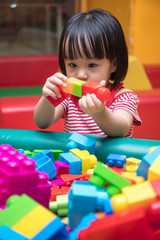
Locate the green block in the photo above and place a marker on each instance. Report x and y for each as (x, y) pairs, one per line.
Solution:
(17, 210)
(98, 181)
(110, 176)
(112, 190)
(60, 206)
(77, 88)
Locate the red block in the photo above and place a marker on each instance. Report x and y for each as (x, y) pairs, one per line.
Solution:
(130, 225)
(94, 87)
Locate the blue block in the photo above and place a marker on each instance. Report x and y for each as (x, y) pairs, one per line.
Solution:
(147, 162)
(54, 230)
(7, 233)
(84, 223)
(49, 154)
(75, 163)
(45, 164)
(81, 142)
(84, 198)
(116, 160)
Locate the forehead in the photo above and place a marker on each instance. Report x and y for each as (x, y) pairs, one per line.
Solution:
(78, 47)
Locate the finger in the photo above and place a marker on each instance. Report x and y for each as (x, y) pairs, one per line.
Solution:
(103, 82)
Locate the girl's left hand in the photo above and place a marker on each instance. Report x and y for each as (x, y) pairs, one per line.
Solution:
(91, 105)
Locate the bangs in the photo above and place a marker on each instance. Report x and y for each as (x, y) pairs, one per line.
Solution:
(79, 44)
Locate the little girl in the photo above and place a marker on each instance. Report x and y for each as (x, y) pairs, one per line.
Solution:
(92, 47)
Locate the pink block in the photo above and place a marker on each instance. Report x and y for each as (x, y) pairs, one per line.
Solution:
(61, 168)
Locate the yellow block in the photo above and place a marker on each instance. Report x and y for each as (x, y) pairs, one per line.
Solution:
(139, 194)
(34, 221)
(154, 170)
(133, 196)
(136, 78)
(132, 176)
(131, 168)
(132, 161)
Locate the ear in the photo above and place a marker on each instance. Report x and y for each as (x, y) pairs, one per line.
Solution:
(114, 65)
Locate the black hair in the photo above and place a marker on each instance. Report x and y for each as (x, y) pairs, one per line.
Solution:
(96, 34)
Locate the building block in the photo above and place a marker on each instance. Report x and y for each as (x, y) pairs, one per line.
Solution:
(117, 160)
(84, 223)
(16, 211)
(44, 163)
(32, 220)
(60, 206)
(81, 142)
(77, 88)
(75, 164)
(88, 160)
(134, 196)
(83, 199)
(69, 85)
(132, 224)
(156, 186)
(98, 89)
(8, 233)
(147, 161)
(132, 176)
(103, 174)
(154, 170)
(61, 168)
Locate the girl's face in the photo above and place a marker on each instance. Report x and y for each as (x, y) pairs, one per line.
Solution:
(90, 69)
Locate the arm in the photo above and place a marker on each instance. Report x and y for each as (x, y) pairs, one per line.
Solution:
(114, 124)
(45, 113)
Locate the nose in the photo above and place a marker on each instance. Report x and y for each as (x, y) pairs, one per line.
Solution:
(82, 75)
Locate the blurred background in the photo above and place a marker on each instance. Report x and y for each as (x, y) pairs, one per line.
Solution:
(29, 39)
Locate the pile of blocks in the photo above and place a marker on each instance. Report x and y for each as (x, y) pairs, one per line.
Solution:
(87, 199)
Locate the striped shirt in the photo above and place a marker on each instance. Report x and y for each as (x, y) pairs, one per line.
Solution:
(78, 121)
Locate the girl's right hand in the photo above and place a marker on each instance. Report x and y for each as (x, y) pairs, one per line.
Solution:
(50, 88)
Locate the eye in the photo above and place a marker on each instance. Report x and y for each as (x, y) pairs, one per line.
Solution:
(72, 65)
(92, 65)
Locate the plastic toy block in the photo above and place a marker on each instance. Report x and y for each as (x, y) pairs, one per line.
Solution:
(75, 164)
(98, 89)
(65, 190)
(103, 174)
(116, 160)
(69, 85)
(41, 192)
(134, 196)
(7, 233)
(60, 206)
(117, 169)
(88, 160)
(21, 206)
(55, 190)
(77, 88)
(154, 170)
(70, 178)
(81, 142)
(45, 164)
(131, 168)
(84, 199)
(147, 161)
(84, 223)
(54, 230)
(131, 225)
(153, 214)
(112, 190)
(12, 175)
(34, 221)
(133, 161)
(132, 176)
(156, 186)
(58, 181)
(61, 168)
